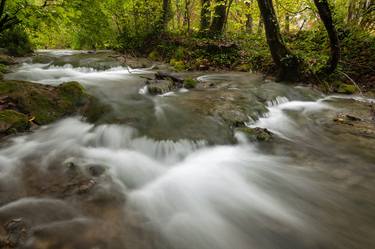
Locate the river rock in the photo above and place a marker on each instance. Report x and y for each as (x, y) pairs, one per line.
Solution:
(12, 121)
(156, 87)
(256, 134)
(16, 232)
(7, 60)
(25, 102)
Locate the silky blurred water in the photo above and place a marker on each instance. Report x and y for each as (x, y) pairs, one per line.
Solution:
(173, 179)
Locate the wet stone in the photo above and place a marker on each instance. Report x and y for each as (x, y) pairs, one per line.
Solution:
(96, 170)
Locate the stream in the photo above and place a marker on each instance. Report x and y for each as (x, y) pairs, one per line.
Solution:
(169, 171)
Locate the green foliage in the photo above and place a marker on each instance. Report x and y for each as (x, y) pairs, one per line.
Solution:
(177, 65)
(136, 27)
(190, 83)
(3, 68)
(347, 89)
(16, 42)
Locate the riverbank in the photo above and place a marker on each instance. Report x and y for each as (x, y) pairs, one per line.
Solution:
(250, 53)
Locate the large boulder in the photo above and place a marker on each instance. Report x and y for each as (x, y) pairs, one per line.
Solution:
(22, 101)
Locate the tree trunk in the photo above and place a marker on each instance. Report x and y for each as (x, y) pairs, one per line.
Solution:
(287, 23)
(2, 7)
(287, 64)
(326, 17)
(187, 15)
(165, 15)
(351, 7)
(249, 19)
(218, 21)
(205, 15)
(260, 26)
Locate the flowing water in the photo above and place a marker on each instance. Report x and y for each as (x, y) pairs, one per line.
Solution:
(168, 172)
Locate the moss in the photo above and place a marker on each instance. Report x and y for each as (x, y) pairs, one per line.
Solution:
(3, 68)
(47, 103)
(12, 122)
(154, 55)
(71, 92)
(256, 134)
(190, 83)
(246, 67)
(179, 54)
(347, 89)
(177, 65)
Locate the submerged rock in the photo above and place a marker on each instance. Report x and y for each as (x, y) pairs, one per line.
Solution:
(26, 102)
(15, 234)
(256, 134)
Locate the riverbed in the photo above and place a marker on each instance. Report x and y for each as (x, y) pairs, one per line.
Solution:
(172, 170)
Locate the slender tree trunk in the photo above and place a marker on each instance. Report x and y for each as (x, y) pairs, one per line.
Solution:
(326, 17)
(2, 7)
(260, 26)
(351, 7)
(286, 62)
(2, 16)
(249, 19)
(218, 20)
(227, 14)
(205, 15)
(249, 23)
(165, 15)
(287, 23)
(187, 15)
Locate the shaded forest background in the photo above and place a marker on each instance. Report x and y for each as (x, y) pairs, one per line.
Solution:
(207, 34)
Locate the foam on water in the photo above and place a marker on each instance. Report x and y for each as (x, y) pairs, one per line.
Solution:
(197, 196)
(54, 75)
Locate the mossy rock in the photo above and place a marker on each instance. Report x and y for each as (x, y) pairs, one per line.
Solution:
(46, 104)
(12, 122)
(190, 83)
(154, 55)
(160, 87)
(347, 89)
(7, 60)
(256, 134)
(43, 59)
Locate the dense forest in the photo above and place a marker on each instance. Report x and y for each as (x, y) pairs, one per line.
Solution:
(326, 42)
